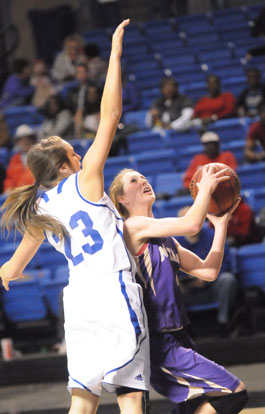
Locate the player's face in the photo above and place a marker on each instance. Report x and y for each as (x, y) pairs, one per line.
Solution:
(137, 189)
(73, 157)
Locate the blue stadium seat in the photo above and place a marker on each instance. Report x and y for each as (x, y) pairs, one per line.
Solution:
(232, 129)
(67, 87)
(181, 140)
(183, 59)
(213, 55)
(113, 165)
(81, 145)
(168, 183)
(196, 90)
(19, 115)
(52, 290)
(137, 118)
(185, 155)
(152, 163)
(144, 141)
(252, 175)
(237, 148)
(4, 156)
(259, 198)
(251, 265)
(24, 301)
(170, 208)
(148, 97)
(198, 39)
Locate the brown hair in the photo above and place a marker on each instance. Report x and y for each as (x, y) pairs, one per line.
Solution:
(20, 208)
(116, 190)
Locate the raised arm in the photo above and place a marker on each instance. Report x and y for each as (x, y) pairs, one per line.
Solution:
(139, 228)
(209, 268)
(91, 176)
(28, 247)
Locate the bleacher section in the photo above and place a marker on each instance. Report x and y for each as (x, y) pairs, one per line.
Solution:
(189, 48)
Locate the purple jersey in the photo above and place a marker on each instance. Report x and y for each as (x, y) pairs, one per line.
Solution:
(157, 272)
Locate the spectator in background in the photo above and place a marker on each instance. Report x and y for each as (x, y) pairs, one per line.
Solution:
(217, 105)
(242, 228)
(211, 145)
(251, 96)
(41, 81)
(18, 173)
(4, 132)
(256, 135)
(91, 115)
(223, 290)
(130, 95)
(96, 65)
(257, 27)
(76, 96)
(63, 69)
(17, 89)
(58, 120)
(172, 109)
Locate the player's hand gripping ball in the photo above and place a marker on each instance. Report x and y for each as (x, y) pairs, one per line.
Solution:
(225, 194)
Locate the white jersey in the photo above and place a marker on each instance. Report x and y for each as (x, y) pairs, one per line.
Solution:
(105, 322)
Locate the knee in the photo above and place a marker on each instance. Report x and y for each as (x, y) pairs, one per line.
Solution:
(231, 403)
(130, 403)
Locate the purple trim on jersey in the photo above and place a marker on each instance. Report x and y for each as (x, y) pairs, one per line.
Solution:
(128, 362)
(80, 383)
(133, 316)
(94, 204)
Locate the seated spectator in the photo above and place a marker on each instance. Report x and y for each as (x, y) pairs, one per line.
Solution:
(4, 132)
(211, 145)
(58, 120)
(130, 95)
(17, 89)
(242, 228)
(257, 28)
(97, 66)
(172, 109)
(217, 105)
(76, 96)
(250, 97)
(91, 113)
(41, 81)
(256, 136)
(223, 290)
(18, 173)
(63, 69)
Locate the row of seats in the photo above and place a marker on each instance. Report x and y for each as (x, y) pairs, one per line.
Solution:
(38, 295)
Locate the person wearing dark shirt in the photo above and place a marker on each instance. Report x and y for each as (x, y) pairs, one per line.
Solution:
(251, 96)
(256, 135)
(172, 109)
(17, 89)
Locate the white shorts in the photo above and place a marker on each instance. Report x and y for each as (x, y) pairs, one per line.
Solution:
(106, 334)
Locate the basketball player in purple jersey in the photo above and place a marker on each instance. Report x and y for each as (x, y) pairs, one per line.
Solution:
(178, 372)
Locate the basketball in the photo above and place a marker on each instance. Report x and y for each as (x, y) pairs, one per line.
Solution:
(225, 194)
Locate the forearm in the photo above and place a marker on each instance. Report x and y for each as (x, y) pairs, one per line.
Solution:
(214, 259)
(111, 103)
(197, 213)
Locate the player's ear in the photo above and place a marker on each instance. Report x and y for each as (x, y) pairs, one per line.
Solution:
(122, 199)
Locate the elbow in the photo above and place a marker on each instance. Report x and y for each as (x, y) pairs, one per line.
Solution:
(212, 275)
(194, 228)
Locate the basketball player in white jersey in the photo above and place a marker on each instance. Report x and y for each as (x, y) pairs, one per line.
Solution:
(105, 325)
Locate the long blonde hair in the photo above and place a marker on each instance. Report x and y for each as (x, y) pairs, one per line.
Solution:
(116, 190)
(20, 209)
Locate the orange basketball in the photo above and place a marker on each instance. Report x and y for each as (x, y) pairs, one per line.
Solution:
(226, 193)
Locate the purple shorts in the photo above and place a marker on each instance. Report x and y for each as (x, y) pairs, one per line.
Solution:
(179, 373)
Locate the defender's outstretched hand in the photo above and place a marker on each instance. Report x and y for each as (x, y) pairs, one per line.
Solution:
(117, 37)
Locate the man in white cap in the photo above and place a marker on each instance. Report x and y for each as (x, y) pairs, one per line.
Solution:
(211, 153)
(18, 173)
